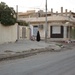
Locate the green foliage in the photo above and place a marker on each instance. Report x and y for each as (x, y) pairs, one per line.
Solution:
(7, 15)
(22, 23)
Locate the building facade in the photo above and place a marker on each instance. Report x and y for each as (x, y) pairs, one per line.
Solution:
(61, 26)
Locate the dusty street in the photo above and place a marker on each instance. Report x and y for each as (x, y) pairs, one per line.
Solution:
(49, 63)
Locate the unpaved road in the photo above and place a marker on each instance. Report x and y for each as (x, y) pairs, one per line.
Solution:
(49, 63)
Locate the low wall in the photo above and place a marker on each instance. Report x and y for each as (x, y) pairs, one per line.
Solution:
(8, 33)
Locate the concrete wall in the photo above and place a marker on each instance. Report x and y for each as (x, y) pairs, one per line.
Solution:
(8, 33)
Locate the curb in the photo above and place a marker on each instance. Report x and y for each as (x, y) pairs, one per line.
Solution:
(27, 53)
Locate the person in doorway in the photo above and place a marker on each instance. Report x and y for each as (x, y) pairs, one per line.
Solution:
(38, 36)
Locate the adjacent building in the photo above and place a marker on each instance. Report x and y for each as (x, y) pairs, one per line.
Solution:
(61, 26)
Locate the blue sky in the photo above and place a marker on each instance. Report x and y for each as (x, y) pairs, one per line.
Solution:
(25, 5)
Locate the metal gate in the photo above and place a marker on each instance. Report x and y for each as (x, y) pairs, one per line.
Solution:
(23, 32)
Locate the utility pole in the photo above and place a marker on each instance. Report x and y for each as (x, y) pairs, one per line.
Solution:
(46, 23)
(29, 28)
(16, 12)
(17, 20)
(69, 28)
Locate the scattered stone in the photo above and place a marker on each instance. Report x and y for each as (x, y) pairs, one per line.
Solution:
(27, 53)
(18, 52)
(8, 51)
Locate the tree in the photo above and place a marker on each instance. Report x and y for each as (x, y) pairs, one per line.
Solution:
(38, 36)
(22, 23)
(7, 15)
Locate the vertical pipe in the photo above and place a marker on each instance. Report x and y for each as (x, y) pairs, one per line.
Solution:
(17, 20)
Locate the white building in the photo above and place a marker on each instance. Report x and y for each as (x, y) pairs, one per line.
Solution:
(61, 26)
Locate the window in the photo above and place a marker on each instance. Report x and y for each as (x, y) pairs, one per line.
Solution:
(40, 26)
(56, 29)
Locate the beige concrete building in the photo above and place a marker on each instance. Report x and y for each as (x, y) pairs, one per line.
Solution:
(61, 26)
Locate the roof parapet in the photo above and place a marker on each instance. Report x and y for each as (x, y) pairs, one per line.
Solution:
(51, 11)
(61, 11)
(66, 12)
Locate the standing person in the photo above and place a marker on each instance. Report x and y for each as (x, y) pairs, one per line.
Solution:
(38, 36)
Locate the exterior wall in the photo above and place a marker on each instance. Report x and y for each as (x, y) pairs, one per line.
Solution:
(49, 33)
(73, 32)
(8, 33)
(20, 32)
(31, 30)
(42, 31)
(65, 32)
